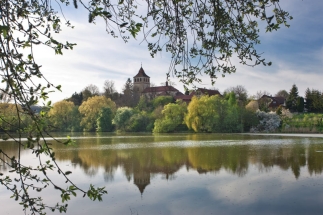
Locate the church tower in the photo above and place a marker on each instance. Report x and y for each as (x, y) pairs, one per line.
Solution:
(141, 80)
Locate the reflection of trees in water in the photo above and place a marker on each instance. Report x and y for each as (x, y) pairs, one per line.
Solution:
(315, 158)
(212, 159)
(11, 150)
(93, 154)
(92, 171)
(169, 177)
(108, 176)
(284, 156)
(3, 163)
(262, 168)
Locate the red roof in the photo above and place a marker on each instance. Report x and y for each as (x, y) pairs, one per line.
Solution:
(160, 89)
(186, 98)
(141, 73)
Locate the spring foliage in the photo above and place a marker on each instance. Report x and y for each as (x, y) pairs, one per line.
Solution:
(211, 31)
(90, 109)
(173, 116)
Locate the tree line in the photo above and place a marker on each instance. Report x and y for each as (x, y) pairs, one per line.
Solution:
(235, 111)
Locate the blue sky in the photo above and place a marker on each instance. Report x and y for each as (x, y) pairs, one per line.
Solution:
(296, 53)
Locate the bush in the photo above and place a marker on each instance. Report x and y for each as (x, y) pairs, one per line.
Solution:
(268, 122)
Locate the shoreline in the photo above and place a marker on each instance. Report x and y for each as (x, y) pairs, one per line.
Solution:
(288, 134)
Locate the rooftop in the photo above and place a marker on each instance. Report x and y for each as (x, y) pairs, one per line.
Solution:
(141, 73)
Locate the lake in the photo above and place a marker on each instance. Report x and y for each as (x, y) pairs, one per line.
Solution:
(188, 173)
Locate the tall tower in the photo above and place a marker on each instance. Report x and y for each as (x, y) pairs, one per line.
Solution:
(141, 80)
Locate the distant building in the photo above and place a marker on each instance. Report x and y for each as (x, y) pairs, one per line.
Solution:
(152, 92)
(198, 92)
(141, 83)
(272, 102)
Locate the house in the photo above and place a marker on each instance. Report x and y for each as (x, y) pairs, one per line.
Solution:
(152, 92)
(197, 92)
(272, 102)
(141, 84)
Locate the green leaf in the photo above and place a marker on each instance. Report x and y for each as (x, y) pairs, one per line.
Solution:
(4, 30)
(59, 87)
(68, 172)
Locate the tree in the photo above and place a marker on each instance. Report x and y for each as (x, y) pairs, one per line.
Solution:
(300, 104)
(104, 120)
(291, 102)
(139, 122)
(232, 99)
(127, 98)
(314, 100)
(232, 115)
(249, 119)
(224, 26)
(76, 98)
(268, 122)
(90, 110)
(122, 117)
(144, 104)
(109, 89)
(309, 100)
(61, 117)
(8, 118)
(162, 101)
(205, 114)
(240, 92)
(282, 93)
(90, 91)
(173, 116)
(76, 122)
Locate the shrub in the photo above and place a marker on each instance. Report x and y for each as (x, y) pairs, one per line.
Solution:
(268, 122)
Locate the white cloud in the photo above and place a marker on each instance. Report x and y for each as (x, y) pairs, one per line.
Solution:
(98, 57)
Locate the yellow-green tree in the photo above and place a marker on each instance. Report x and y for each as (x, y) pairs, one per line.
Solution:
(91, 108)
(213, 114)
(61, 115)
(9, 117)
(173, 116)
(203, 113)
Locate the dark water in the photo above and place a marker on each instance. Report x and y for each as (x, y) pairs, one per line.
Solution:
(189, 174)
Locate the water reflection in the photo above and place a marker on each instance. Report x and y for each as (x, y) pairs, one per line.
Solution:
(141, 157)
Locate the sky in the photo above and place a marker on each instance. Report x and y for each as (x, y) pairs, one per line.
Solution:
(296, 53)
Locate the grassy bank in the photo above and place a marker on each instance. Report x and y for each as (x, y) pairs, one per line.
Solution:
(303, 123)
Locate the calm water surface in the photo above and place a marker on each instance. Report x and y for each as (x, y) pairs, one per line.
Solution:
(189, 174)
